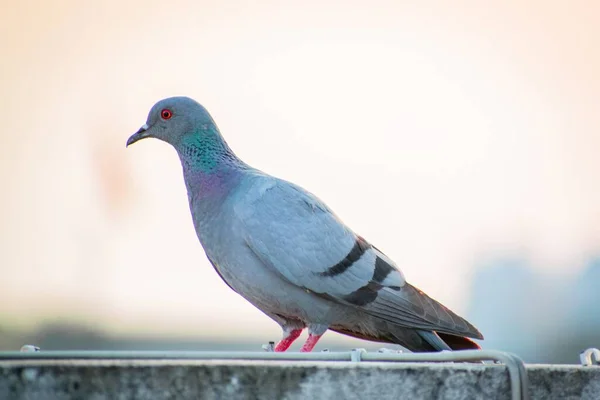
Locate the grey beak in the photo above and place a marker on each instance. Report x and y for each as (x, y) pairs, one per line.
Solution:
(139, 135)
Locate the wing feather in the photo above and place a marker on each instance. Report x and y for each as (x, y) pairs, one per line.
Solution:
(298, 236)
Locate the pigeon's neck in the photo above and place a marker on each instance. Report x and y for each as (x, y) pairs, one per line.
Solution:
(210, 168)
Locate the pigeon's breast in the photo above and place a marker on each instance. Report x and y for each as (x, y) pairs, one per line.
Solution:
(222, 233)
(263, 287)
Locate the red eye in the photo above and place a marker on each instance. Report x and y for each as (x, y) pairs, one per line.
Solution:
(166, 114)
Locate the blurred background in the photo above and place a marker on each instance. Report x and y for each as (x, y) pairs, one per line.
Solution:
(459, 137)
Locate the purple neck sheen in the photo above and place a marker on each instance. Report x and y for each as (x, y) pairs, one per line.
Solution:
(203, 184)
(210, 168)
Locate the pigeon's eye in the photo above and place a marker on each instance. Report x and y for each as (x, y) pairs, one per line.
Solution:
(166, 114)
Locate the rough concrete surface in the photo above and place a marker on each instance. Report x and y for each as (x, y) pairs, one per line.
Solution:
(169, 379)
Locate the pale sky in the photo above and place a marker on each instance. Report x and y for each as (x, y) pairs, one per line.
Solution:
(445, 133)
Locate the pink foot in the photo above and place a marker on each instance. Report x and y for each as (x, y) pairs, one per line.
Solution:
(287, 341)
(310, 343)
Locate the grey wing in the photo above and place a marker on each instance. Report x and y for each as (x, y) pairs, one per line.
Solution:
(295, 234)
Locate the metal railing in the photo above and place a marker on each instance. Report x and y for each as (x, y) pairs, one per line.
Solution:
(519, 383)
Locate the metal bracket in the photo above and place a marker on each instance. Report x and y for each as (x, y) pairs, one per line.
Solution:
(269, 347)
(356, 354)
(587, 357)
(29, 348)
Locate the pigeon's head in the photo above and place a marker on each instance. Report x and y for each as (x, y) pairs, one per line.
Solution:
(172, 119)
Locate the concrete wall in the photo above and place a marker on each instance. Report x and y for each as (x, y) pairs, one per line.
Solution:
(181, 379)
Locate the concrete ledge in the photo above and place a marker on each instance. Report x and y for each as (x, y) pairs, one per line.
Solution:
(189, 379)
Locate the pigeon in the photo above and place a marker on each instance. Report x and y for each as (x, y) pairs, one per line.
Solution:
(287, 253)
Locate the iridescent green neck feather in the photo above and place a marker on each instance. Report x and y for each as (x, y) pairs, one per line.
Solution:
(210, 167)
(204, 151)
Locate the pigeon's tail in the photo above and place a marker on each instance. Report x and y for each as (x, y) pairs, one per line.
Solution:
(443, 341)
(414, 340)
(432, 339)
(459, 342)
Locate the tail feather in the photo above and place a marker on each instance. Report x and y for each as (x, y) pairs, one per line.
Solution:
(434, 340)
(459, 342)
(413, 340)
